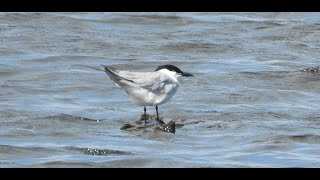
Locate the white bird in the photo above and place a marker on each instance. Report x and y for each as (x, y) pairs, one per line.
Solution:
(148, 88)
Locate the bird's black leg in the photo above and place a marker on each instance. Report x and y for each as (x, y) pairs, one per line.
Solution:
(157, 113)
(145, 115)
(158, 119)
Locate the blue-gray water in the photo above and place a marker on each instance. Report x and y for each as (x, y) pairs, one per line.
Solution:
(248, 105)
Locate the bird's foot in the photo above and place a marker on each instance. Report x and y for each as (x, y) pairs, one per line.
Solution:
(159, 121)
(144, 119)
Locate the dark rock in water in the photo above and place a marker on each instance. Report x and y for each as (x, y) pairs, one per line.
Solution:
(147, 121)
(151, 121)
(170, 127)
(312, 69)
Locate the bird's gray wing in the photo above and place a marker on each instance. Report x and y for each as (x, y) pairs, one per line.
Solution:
(151, 81)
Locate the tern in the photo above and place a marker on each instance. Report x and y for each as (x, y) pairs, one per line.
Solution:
(147, 88)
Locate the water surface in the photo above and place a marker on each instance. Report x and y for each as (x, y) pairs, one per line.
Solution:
(248, 105)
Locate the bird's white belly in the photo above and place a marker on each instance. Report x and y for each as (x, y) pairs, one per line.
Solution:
(143, 97)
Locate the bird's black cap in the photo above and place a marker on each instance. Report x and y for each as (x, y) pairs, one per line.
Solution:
(173, 68)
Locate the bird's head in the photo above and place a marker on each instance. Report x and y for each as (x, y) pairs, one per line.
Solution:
(173, 69)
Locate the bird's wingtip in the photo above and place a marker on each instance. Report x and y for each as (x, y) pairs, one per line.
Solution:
(113, 73)
(92, 67)
(106, 66)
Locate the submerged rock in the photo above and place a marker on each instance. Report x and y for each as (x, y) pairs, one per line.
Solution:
(312, 69)
(127, 126)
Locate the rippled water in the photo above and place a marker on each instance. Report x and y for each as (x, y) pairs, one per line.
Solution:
(248, 105)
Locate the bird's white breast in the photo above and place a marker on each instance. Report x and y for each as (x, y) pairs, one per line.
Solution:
(170, 87)
(165, 87)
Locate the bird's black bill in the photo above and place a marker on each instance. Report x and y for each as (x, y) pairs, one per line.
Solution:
(186, 74)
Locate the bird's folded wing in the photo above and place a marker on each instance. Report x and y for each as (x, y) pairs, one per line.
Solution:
(151, 81)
